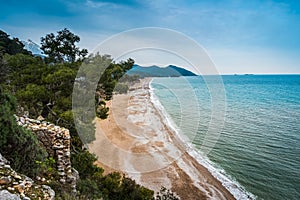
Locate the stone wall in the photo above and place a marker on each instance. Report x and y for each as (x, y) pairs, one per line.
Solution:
(56, 140)
(15, 186)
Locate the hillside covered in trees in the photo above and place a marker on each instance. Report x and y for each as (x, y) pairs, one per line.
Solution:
(42, 87)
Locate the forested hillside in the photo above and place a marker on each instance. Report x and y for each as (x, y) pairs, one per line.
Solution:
(42, 87)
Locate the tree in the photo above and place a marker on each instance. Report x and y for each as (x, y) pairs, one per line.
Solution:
(23, 69)
(46, 89)
(62, 47)
(3, 69)
(112, 74)
(18, 145)
(11, 46)
(33, 94)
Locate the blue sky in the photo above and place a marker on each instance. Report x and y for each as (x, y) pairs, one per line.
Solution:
(240, 36)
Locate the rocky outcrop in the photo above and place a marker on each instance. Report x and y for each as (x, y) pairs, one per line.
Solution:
(14, 186)
(56, 141)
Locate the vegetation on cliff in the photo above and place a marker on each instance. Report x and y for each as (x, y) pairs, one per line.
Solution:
(37, 86)
(18, 145)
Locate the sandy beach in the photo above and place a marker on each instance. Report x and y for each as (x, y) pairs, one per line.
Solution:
(135, 140)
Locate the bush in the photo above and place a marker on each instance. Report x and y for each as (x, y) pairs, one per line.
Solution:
(102, 112)
(165, 194)
(83, 162)
(18, 145)
(89, 189)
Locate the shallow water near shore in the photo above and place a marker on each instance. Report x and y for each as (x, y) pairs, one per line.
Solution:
(259, 146)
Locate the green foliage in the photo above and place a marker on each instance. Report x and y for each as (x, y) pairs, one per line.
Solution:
(3, 69)
(18, 145)
(113, 186)
(83, 161)
(21, 69)
(45, 88)
(21, 61)
(118, 187)
(89, 189)
(112, 74)
(102, 112)
(67, 115)
(94, 185)
(47, 167)
(33, 95)
(84, 102)
(11, 46)
(62, 192)
(62, 47)
(60, 80)
(165, 194)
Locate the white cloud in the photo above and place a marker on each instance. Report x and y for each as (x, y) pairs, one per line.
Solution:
(92, 4)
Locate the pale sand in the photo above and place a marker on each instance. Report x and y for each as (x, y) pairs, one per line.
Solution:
(135, 141)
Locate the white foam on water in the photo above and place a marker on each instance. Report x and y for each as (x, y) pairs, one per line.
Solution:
(237, 190)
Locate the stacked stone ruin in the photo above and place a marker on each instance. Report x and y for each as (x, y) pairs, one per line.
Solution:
(56, 141)
(15, 186)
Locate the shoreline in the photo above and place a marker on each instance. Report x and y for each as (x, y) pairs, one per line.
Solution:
(238, 191)
(135, 140)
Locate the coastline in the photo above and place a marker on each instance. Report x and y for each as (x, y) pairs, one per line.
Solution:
(135, 140)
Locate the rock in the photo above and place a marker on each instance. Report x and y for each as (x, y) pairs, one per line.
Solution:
(3, 160)
(56, 141)
(16, 186)
(16, 176)
(62, 180)
(20, 188)
(34, 127)
(57, 146)
(62, 173)
(5, 180)
(40, 118)
(26, 113)
(67, 154)
(5, 195)
(11, 188)
(6, 166)
(22, 196)
(19, 123)
(49, 191)
(28, 184)
(22, 120)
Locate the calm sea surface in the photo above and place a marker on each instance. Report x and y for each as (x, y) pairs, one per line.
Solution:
(259, 145)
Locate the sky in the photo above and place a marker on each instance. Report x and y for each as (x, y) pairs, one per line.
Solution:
(258, 36)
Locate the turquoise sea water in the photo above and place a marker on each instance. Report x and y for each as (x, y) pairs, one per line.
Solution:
(259, 145)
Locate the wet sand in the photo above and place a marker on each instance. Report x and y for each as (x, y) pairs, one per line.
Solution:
(135, 140)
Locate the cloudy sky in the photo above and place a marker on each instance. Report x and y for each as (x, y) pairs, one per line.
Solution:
(258, 36)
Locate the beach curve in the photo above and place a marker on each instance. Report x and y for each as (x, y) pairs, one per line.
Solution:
(135, 140)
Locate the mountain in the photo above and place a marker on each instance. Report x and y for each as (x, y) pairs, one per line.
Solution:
(33, 47)
(155, 71)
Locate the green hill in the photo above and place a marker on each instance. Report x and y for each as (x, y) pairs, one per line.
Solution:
(155, 71)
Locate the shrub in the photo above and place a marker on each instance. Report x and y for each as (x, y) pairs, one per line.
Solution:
(165, 194)
(18, 145)
(83, 162)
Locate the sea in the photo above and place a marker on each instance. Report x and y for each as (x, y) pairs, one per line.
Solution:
(254, 147)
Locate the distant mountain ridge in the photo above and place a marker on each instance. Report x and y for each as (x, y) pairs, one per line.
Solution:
(155, 71)
(33, 47)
